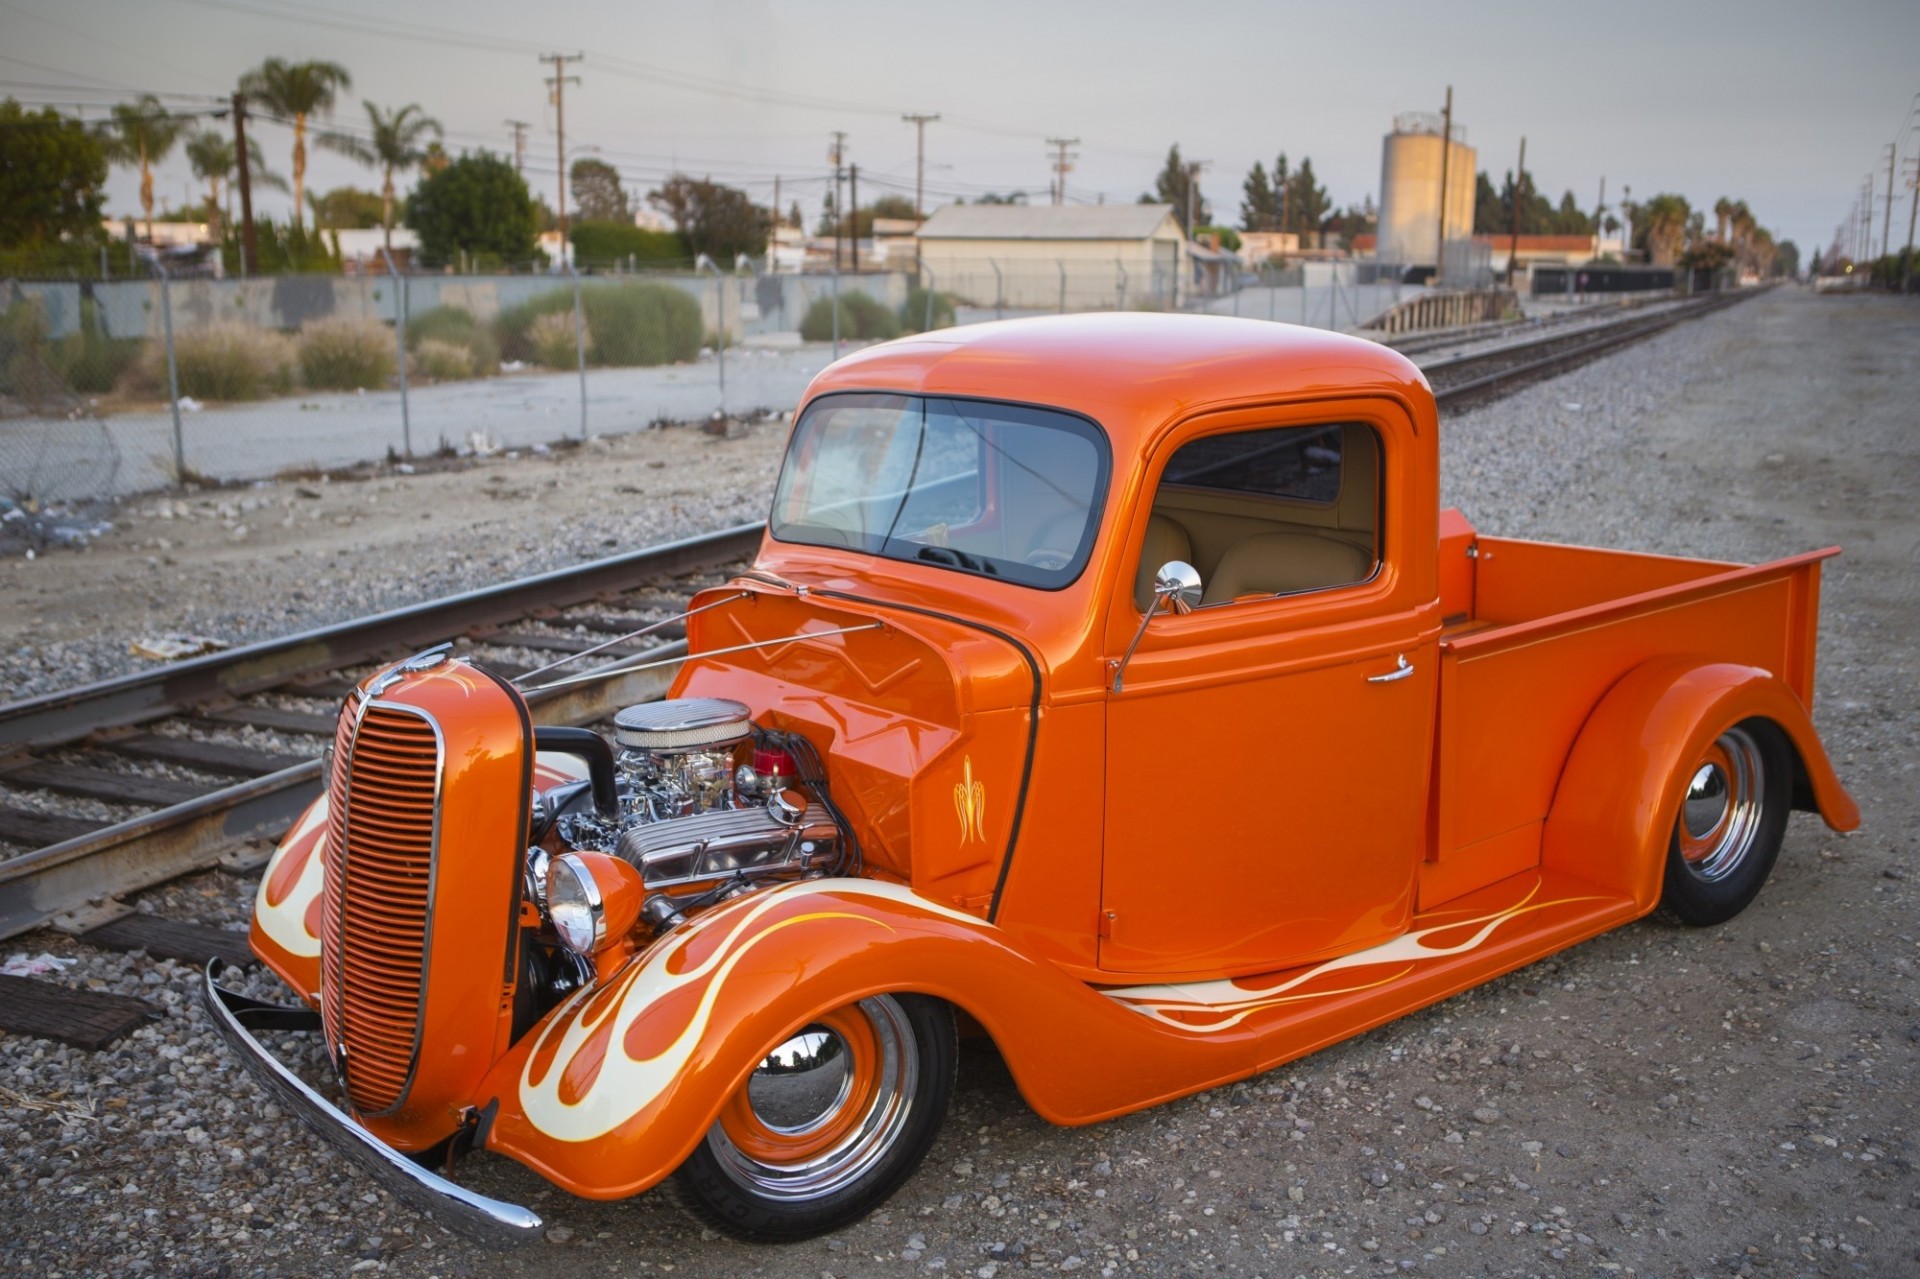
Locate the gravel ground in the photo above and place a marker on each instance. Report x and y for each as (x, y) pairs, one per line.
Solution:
(1657, 1102)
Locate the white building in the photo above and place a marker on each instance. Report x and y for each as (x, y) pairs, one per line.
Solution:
(1063, 257)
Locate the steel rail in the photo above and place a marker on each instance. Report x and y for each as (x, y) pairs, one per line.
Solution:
(94, 868)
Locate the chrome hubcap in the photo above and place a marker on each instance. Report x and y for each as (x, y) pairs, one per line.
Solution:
(802, 1082)
(1720, 815)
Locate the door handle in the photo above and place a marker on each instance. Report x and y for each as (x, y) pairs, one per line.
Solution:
(1404, 669)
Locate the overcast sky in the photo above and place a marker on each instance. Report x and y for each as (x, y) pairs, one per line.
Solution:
(1787, 105)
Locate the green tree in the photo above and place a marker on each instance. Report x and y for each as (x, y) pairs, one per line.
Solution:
(212, 156)
(597, 243)
(51, 174)
(1307, 204)
(142, 135)
(597, 194)
(346, 209)
(397, 141)
(1787, 259)
(477, 204)
(1178, 185)
(296, 90)
(1660, 227)
(716, 220)
(1259, 204)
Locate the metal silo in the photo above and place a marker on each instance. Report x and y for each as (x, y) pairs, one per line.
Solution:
(1410, 189)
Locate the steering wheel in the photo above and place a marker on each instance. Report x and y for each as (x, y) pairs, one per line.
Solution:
(1048, 558)
(1056, 541)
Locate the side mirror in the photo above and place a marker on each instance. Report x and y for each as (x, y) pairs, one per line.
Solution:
(1176, 590)
(1176, 587)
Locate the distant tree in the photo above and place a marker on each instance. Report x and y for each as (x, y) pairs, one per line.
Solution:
(296, 90)
(141, 135)
(397, 141)
(1722, 211)
(52, 175)
(1227, 237)
(716, 220)
(1013, 197)
(477, 204)
(601, 244)
(794, 219)
(346, 209)
(1259, 203)
(887, 206)
(1307, 204)
(1570, 218)
(597, 193)
(214, 161)
(1354, 221)
(1813, 266)
(1660, 227)
(1178, 185)
(1786, 259)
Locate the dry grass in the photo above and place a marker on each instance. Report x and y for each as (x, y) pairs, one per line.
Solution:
(346, 355)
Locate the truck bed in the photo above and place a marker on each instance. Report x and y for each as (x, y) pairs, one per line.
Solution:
(1535, 635)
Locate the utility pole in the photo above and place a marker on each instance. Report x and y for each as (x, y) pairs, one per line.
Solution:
(837, 153)
(249, 244)
(1886, 223)
(1519, 181)
(1600, 215)
(1062, 165)
(559, 81)
(1446, 154)
(920, 123)
(853, 215)
(1913, 185)
(519, 128)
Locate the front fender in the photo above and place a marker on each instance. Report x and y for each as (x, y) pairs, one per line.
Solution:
(1619, 794)
(621, 1082)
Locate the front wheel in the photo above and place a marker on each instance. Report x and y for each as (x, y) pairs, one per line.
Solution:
(1733, 815)
(829, 1124)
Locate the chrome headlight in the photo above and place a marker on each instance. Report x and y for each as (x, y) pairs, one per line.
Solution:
(574, 904)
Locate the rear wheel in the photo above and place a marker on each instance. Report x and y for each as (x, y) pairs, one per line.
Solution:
(829, 1124)
(1733, 815)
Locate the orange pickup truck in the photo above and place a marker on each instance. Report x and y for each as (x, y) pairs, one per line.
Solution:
(1114, 687)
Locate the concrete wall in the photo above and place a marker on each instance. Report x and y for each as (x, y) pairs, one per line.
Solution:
(1034, 274)
(132, 308)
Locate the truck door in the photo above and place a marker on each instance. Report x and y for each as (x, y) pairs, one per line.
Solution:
(1268, 754)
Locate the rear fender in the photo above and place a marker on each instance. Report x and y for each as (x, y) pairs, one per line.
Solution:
(1619, 794)
(621, 1082)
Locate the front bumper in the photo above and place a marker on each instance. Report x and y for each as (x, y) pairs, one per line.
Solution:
(483, 1220)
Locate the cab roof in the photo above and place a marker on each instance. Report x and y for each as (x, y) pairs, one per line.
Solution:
(1131, 372)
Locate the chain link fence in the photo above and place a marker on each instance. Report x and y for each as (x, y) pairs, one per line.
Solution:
(125, 385)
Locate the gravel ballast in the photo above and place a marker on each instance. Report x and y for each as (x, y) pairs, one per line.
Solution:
(1660, 1101)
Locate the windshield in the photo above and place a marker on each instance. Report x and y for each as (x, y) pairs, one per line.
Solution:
(1001, 490)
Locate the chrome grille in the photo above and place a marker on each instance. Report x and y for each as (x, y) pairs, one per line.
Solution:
(383, 799)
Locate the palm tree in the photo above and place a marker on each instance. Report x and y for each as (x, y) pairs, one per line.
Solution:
(1722, 210)
(398, 143)
(142, 135)
(212, 155)
(1663, 221)
(296, 90)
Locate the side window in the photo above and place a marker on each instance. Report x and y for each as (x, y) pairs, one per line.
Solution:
(1269, 511)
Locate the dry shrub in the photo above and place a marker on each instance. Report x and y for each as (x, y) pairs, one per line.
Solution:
(442, 361)
(552, 339)
(346, 355)
(222, 362)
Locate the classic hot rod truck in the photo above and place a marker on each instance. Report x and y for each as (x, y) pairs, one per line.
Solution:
(1112, 686)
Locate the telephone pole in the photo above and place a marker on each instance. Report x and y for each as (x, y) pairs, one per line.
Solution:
(1519, 180)
(1062, 165)
(837, 153)
(558, 96)
(249, 245)
(920, 123)
(1446, 154)
(519, 128)
(1886, 223)
(1913, 212)
(853, 215)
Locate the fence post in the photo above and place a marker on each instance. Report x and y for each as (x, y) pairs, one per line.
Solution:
(932, 280)
(719, 322)
(579, 344)
(1120, 286)
(1062, 264)
(400, 347)
(173, 373)
(999, 289)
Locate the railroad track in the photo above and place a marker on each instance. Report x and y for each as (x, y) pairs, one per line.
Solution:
(115, 786)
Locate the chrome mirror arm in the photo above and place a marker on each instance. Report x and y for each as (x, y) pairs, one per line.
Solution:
(1176, 589)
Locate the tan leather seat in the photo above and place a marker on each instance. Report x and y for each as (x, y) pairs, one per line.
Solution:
(1166, 540)
(1282, 563)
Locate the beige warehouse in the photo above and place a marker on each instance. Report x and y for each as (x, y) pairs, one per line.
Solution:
(1057, 257)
